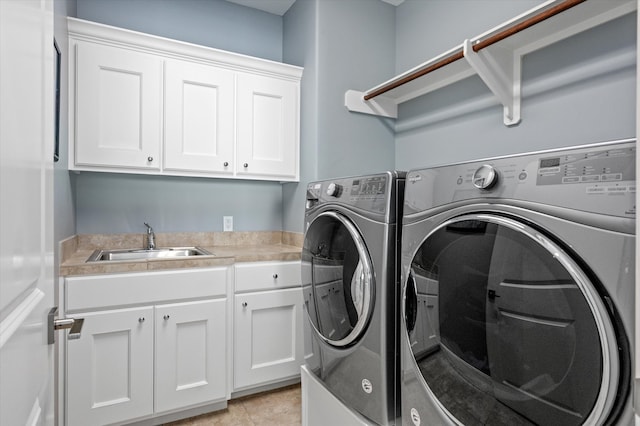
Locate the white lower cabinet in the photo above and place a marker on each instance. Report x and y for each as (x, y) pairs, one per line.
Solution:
(268, 345)
(158, 343)
(110, 368)
(190, 354)
(268, 336)
(148, 360)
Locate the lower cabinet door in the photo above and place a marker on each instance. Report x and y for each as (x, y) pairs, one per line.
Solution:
(268, 336)
(191, 362)
(110, 368)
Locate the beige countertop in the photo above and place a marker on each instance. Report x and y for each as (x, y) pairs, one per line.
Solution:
(226, 248)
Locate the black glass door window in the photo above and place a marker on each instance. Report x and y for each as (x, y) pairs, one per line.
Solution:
(504, 326)
(337, 279)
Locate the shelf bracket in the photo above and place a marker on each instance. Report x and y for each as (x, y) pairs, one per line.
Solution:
(354, 101)
(500, 70)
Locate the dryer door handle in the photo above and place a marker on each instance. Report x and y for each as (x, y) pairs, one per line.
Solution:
(492, 294)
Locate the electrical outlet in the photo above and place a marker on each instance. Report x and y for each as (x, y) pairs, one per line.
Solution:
(227, 223)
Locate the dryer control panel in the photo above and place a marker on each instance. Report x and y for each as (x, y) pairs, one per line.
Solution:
(599, 178)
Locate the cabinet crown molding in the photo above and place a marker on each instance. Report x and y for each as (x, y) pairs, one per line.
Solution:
(80, 29)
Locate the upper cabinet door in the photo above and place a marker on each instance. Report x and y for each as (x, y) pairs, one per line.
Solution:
(118, 109)
(198, 118)
(267, 127)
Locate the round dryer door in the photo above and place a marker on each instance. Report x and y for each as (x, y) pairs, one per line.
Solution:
(337, 277)
(505, 328)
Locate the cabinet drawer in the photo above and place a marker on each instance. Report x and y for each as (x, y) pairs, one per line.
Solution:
(267, 275)
(103, 291)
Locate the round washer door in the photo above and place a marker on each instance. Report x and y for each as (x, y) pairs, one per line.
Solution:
(337, 279)
(506, 328)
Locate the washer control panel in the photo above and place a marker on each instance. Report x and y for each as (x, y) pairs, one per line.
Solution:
(599, 178)
(370, 193)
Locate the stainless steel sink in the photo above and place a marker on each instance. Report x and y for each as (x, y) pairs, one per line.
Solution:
(142, 254)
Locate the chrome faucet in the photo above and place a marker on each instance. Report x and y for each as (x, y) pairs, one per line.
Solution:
(151, 237)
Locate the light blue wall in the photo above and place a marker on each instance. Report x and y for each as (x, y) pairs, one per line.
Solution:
(577, 91)
(213, 23)
(427, 28)
(356, 51)
(301, 48)
(174, 204)
(114, 203)
(342, 45)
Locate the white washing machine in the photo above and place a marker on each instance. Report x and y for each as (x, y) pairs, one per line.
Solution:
(350, 284)
(518, 290)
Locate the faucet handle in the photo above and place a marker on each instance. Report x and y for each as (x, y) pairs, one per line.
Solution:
(151, 237)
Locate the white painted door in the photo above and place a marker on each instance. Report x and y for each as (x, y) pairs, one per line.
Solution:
(26, 211)
(118, 109)
(267, 127)
(268, 336)
(191, 365)
(199, 114)
(110, 368)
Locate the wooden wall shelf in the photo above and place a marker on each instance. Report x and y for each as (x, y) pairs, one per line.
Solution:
(495, 56)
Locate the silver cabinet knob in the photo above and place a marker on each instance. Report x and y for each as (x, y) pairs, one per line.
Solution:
(226, 164)
(166, 317)
(275, 276)
(141, 320)
(244, 304)
(246, 165)
(150, 159)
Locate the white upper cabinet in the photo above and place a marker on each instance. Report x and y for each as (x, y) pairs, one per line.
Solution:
(267, 127)
(118, 110)
(198, 118)
(146, 104)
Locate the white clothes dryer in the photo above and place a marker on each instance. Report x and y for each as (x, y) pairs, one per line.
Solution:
(518, 290)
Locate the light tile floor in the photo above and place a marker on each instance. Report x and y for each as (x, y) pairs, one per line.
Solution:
(281, 407)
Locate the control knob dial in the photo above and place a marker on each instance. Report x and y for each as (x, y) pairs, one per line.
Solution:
(485, 177)
(334, 190)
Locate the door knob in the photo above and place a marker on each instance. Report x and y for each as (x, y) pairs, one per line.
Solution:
(244, 304)
(166, 317)
(74, 324)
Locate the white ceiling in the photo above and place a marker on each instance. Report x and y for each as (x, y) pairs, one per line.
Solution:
(280, 7)
(277, 7)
